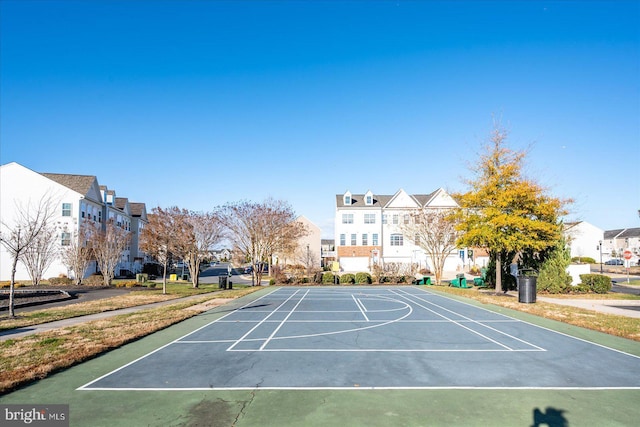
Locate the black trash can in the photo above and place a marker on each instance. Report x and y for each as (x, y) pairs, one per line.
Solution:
(222, 282)
(229, 285)
(527, 289)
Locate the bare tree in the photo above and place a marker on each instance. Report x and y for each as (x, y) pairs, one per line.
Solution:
(434, 232)
(258, 230)
(157, 238)
(20, 234)
(41, 254)
(195, 234)
(78, 255)
(107, 246)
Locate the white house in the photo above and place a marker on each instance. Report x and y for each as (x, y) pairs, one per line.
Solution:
(617, 241)
(584, 240)
(367, 232)
(77, 198)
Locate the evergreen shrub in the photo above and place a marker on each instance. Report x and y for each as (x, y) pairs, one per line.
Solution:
(363, 278)
(328, 278)
(348, 278)
(597, 283)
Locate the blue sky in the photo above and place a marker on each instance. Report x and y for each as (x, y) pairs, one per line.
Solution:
(200, 103)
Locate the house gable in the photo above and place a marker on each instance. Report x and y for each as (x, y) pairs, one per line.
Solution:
(401, 200)
(441, 199)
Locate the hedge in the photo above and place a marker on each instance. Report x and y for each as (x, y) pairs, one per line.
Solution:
(363, 278)
(597, 283)
(348, 278)
(328, 278)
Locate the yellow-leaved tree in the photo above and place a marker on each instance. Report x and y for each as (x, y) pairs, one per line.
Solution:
(503, 211)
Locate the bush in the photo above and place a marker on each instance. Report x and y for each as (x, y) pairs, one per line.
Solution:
(347, 278)
(126, 284)
(60, 281)
(93, 280)
(578, 289)
(272, 282)
(363, 278)
(583, 260)
(597, 283)
(317, 278)
(328, 278)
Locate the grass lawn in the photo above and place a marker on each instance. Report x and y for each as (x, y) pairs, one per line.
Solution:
(36, 356)
(134, 298)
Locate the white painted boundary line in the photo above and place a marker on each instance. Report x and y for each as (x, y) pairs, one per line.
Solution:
(172, 342)
(537, 326)
(353, 388)
(262, 321)
(275, 331)
(476, 322)
(452, 321)
(360, 306)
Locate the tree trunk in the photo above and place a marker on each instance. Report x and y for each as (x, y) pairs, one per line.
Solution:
(498, 273)
(164, 277)
(12, 287)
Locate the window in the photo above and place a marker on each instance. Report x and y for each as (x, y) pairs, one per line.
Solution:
(347, 199)
(99, 217)
(384, 218)
(347, 218)
(365, 240)
(66, 209)
(65, 239)
(369, 218)
(374, 239)
(417, 239)
(369, 200)
(396, 240)
(406, 218)
(353, 240)
(82, 214)
(343, 241)
(395, 219)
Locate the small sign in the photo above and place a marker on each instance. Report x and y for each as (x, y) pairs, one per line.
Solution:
(335, 266)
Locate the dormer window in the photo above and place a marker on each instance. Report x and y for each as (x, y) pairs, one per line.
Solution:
(347, 199)
(368, 198)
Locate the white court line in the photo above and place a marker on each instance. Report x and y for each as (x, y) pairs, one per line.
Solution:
(353, 388)
(262, 321)
(275, 331)
(361, 307)
(452, 321)
(533, 324)
(478, 323)
(172, 342)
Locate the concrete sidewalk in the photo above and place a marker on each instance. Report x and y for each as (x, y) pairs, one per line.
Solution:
(620, 307)
(44, 327)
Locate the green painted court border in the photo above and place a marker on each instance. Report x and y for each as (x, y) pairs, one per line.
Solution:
(327, 407)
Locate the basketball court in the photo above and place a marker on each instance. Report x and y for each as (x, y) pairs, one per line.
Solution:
(399, 337)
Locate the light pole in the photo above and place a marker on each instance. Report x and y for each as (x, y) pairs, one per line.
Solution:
(600, 246)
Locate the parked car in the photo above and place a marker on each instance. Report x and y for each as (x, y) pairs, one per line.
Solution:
(614, 261)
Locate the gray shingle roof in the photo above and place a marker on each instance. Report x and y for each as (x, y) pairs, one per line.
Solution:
(357, 200)
(137, 208)
(78, 183)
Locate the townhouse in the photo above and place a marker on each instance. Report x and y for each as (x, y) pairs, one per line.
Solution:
(76, 199)
(367, 231)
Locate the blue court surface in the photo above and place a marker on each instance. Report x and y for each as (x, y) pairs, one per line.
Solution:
(371, 338)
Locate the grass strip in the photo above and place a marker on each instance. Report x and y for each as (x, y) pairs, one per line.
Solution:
(133, 299)
(36, 356)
